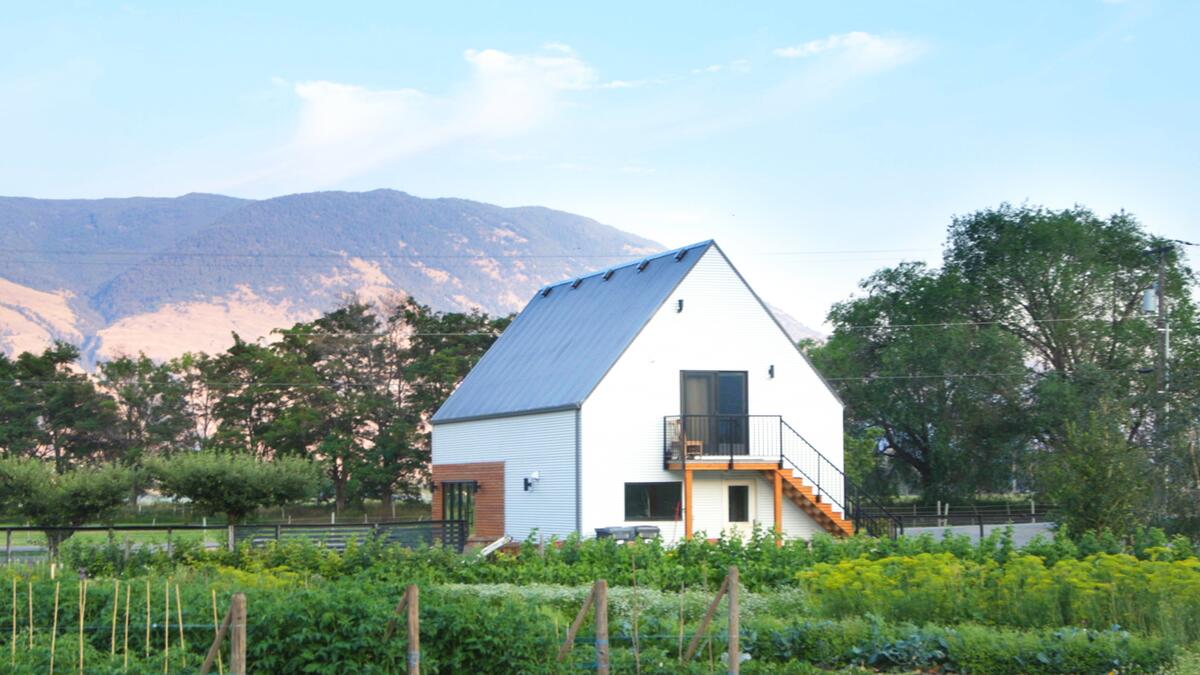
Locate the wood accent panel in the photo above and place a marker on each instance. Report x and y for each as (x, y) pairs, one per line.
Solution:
(489, 496)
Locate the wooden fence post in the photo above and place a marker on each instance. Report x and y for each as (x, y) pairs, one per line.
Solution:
(237, 644)
(735, 649)
(414, 630)
(601, 626)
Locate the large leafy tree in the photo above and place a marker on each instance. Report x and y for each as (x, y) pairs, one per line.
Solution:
(50, 409)
(907, 367)
(1031, 325)
(234, 484)
(152, 410)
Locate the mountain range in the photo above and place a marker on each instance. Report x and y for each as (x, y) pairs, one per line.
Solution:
(168, 275)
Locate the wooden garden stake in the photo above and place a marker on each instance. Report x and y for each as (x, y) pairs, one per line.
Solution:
(214, 652)
(216, 632)
(30, 592)
(391, 627)
(82, 611)
(128, 588)
(147, 617)
(14, 623)
(601, 627)
(414, 630)
(712, 610)
(54, 628)
(734, 651)
(166, 625)
(570, 641)
(179, 615)
(237, 642)
(112, 642)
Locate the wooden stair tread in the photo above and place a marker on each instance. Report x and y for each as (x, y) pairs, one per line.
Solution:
(811, 503)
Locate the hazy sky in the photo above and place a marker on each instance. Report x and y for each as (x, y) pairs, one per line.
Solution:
(815, 142)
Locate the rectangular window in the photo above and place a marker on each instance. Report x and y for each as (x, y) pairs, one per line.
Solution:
(458, 502)
(653, 501)
(739, 503)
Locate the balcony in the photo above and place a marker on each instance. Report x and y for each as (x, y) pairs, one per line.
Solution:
(722, 439)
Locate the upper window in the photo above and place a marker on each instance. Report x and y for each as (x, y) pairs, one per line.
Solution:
(652, 501)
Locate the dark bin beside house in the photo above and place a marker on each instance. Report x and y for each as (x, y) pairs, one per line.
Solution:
(647, 531)
(618, 533)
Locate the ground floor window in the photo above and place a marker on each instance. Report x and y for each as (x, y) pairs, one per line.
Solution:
(653, 501)
(739, 503)
(458, 502)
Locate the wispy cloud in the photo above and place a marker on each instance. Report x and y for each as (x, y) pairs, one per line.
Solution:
(346, 129)
(859, 49)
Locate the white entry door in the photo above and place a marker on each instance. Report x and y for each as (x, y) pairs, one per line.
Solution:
(739, 506)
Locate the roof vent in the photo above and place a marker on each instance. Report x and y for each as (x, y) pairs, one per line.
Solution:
(546, 291)
(644, 264)
(679, 256)
(607, 275)
(575, 284)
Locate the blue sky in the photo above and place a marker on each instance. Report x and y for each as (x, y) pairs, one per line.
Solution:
(815, 142)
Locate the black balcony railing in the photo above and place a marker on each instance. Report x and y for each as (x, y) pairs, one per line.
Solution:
(734, 438)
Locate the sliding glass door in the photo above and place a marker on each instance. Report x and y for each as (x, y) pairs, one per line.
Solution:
(714, 405)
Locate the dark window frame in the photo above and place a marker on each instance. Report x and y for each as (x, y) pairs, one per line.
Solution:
(458, 501)
(652, 515)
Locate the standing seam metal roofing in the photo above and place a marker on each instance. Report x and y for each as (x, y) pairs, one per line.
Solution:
(567, 338)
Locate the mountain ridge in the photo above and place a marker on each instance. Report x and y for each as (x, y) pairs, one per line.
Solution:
(165, 275)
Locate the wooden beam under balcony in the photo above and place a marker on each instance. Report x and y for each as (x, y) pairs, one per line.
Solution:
(722, 465)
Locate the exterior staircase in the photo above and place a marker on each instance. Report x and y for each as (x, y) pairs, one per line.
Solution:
(811, 503)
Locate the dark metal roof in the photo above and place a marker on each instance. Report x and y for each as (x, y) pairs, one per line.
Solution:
(567, 338)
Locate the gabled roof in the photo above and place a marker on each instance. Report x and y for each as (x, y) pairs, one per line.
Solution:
(567, 338)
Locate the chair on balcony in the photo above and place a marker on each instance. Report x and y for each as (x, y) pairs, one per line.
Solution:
(693, 448)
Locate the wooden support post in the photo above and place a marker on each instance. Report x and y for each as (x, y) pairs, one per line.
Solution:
(708, 616)
(414, 630)
(601, 627)
(778, 507)
(735, 648)
(237, 643)
(687, 503)
(570, 641)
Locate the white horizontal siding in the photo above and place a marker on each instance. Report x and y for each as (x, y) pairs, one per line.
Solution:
(544, 443)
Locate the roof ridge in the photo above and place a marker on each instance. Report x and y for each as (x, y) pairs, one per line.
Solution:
(631, 263)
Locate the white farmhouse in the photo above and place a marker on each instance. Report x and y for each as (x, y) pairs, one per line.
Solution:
(662, 392)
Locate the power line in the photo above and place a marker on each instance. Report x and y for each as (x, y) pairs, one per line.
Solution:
(402, 255)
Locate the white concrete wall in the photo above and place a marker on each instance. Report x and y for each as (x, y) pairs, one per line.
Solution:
(722, 327)
(526, 443)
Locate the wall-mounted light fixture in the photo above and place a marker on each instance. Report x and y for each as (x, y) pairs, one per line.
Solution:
(771, 371)
(532, 480)
(679, 305)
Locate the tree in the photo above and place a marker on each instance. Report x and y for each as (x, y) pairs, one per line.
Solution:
(48, 409)
(1096, 477)
(50, 499)
(235, 484)
(905, 366)
(151, 401)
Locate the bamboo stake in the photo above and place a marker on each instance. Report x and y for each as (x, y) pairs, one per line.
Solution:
(215, 650)
(14, 623)
(54, 629)
(112, 643)
(128, 588)
(220, 668)
(179, 615)
(147, 617)
(82, 612)
(30, 595)
(166, 626)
